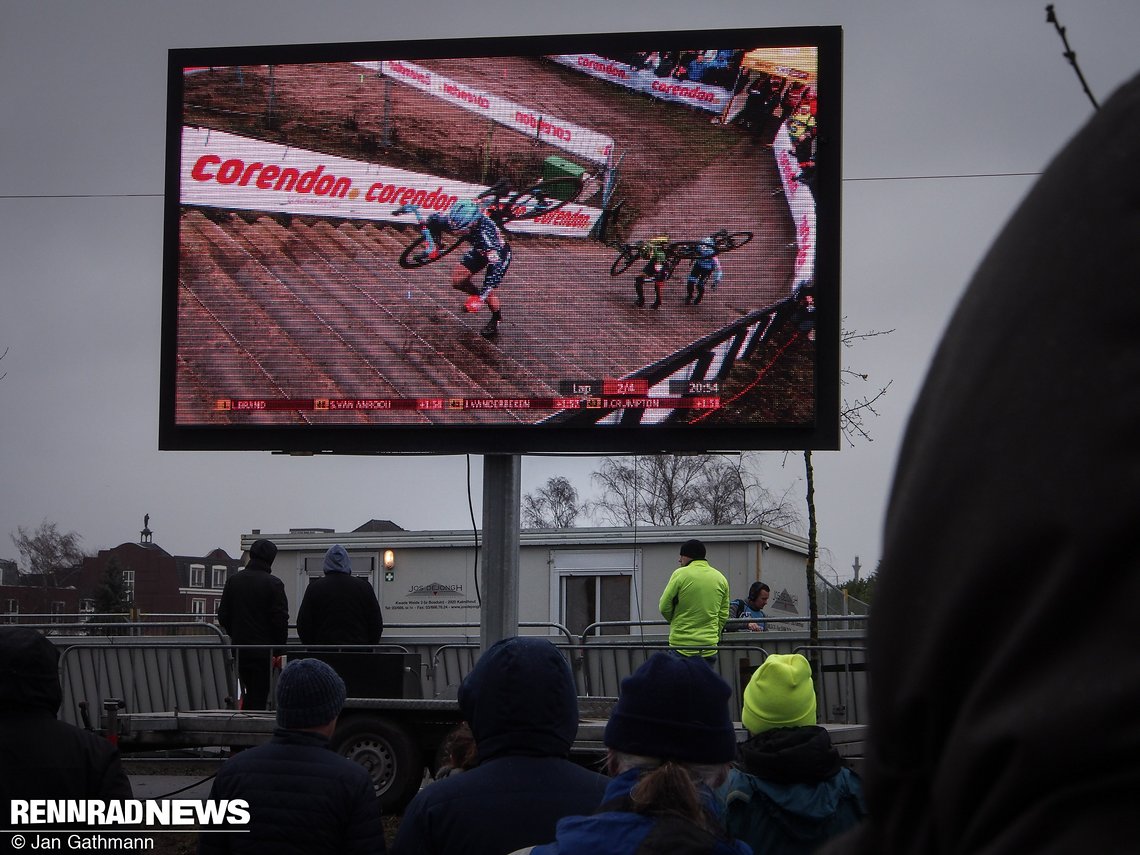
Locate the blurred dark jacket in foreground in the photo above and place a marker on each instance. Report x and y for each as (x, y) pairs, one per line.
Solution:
(1004, 648)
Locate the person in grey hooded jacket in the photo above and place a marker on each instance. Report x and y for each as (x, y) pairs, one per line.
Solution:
(339, 608)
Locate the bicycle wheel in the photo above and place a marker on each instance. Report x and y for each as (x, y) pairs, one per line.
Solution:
(625, 258)
(414, 256)
(732, 241)
(495, 192)
(544, 197)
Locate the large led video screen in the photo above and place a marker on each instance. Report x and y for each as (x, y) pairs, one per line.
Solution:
(604, 243)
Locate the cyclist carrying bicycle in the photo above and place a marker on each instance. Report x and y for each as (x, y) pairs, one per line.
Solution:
(489, 251)
(657, 268)
(705, 265)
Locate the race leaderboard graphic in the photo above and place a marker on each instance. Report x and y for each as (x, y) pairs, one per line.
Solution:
(610, 394)
(597, 243)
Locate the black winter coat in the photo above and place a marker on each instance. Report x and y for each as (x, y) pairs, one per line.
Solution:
(41, 757)
(340, 609)
(523, 710)
(304, 799)
(254, 608)
(1003, 711)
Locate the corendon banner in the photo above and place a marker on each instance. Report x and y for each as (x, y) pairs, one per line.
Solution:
(557, 132)
(700, 95)
(222, 170)
(801, 202)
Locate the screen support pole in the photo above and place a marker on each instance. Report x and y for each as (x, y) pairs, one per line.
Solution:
(502, 480)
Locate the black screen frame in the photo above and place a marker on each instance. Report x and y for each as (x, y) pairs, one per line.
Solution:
(823, 434)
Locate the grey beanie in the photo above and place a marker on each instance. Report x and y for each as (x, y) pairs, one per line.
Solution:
(309, 693)
(336, 560)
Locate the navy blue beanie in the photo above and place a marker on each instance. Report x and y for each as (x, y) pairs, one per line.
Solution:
(309, 693)
(674, 708)
(336, 560)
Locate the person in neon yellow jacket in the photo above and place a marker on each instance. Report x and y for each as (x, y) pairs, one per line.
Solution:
(695, 602)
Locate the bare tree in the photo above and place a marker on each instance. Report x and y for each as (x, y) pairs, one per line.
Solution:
(853, 414)
(46, 552)
(648, 490)
(735, 494)
(554, 505)
(1070, 54)
(701, 489)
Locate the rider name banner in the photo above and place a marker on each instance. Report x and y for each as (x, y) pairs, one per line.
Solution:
(223, 170)
(557, 132)
(692, 94)
(801, 202)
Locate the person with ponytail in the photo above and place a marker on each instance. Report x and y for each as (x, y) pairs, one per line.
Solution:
(671, 742)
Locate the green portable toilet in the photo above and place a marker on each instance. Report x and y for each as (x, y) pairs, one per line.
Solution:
(559, 167)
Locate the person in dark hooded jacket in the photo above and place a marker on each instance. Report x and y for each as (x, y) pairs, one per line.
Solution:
(790, 791)
(339, 608)
(1016, 489)
(255, 610)
(523, 710)
(40, 756)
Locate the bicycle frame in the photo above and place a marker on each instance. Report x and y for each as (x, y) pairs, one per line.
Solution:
(724, 241)
(538, 199)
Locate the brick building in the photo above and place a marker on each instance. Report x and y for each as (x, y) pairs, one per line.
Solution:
(156, 582)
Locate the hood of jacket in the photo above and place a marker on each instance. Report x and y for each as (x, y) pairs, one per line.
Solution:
(617, 831)
(337, 561)
(791, 755)
(520, 699)
(1002, 710)
(29, 679)
(796, 771)
(258, 565)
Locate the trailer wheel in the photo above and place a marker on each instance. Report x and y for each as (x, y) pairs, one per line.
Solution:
(386, 750)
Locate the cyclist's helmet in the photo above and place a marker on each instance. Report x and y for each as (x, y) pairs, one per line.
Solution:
(707, 248)
(651, 246)
(462, 214)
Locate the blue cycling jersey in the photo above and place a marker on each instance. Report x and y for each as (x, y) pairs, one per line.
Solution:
(484, 235)
(706, 264)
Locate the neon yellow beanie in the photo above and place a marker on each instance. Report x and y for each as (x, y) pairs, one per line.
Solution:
(780, 694)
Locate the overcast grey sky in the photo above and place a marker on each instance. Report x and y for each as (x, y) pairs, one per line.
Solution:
(966, 88)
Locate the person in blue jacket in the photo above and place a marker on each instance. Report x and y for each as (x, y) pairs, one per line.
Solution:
(522, 707)
(670, 742)
(791, 791)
